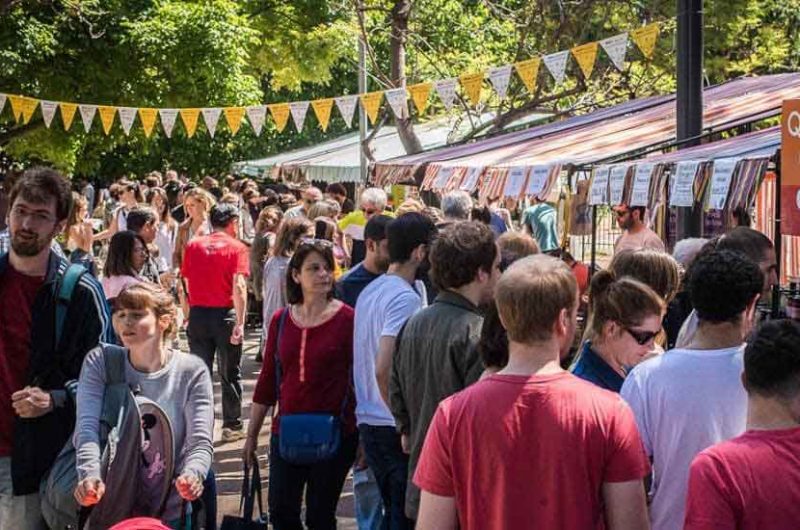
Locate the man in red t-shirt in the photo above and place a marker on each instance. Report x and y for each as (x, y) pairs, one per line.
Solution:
(215, 268)
(753, 481)
(533, 446)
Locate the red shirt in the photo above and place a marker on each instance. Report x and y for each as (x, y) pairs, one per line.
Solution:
(530, 452)
(209, 265)
(17, 293)
(749, 482)
(316, 368)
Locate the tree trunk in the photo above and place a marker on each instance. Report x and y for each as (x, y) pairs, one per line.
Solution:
(400, 15)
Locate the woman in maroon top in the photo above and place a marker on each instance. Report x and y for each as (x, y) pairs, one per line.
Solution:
(315, 349)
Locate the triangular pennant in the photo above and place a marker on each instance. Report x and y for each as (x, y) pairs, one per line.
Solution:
(347, 107)
(299, 109)
(126, 117)
(234, 115)
(528, 71)
(557, 64)
(500, 77)
(16, 106)
(616, 47)
(397, 99)
(472, 87)
(87, 115)
(3, 98)
(322, 108)
(107, 117)
(419, 95)
(189, 118)
(148, 117)
(257, 114)
(48, 111)
(67, 113)
(168, 117)
(586, 55)
(446, 88)
(280, 113)
(28, 108)
(645, 38)
(211, 117)
(371, 102)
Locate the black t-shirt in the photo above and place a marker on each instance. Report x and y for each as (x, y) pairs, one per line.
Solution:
(349, 287)
(348, 206)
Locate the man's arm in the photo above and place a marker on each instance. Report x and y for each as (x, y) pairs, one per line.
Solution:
(626, 507)
(383, 366)
(240, 306)
(437, 513)
(397, 402)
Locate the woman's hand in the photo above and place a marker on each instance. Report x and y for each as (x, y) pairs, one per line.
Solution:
(189, 487)
(86, 235)
(89, 491)
(249, 451)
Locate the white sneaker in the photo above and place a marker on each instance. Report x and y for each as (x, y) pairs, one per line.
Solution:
(232, 435)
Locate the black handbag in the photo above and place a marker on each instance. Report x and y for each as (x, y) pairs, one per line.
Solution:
(251, 492)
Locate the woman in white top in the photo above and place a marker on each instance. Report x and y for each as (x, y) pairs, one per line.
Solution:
(167, 231)
(127, 254)
(129, 197)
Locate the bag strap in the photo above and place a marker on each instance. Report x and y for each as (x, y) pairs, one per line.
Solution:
(251, 493)
(245, 500)
(114, 357)
(278, 369)
(66, 287)
(255, 492)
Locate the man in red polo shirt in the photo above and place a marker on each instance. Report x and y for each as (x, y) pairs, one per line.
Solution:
(215, 268)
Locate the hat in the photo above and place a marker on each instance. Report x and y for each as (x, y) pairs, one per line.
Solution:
(223, 213)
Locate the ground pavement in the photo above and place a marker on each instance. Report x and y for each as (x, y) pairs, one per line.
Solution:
(228, 459)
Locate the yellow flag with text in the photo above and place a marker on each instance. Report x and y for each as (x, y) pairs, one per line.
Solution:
(645, 38)
(472, 86)
(107, 117)
(234, 115)
(372, 103)
(528, 71)
(148, 117)
(67, 113)
(280, 113)
(189, 117)
(322, 108)
(586, 55)
(419, 95)
(16, 106)
(28, 108)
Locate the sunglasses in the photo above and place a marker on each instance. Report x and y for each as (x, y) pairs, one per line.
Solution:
(315, 242)
(367, 211)
(621, 213)
(642, 337)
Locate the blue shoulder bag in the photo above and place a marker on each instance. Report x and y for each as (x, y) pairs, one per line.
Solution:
(305, 438)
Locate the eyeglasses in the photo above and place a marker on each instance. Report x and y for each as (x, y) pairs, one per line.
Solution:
(642, 337)
(621, 213)
(368, 211)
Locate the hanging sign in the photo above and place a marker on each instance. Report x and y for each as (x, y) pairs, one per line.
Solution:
(470, 182)
(168, 117)
(190, 118)
(721, 182)
(442, 177)
(372, 103)
(683, 186)
(280, 113)
(347, 107)
(645, 38)
(500, 77)
(87, 115)
(68, 114)
(126, 117)
(640, 194)
(322, 109)
(598, 193)
(616, 184)
(515, 181)
(586, 55)
(48, 111)
(419, 95)
(107, 117)
(299, 109)
(257, 115)
(537, 181)
(472, 87)
(790, 167)
(446, 88)
(616, 47)
(211, 117)
(148, 118)
(528, 71)
(397, 98)
(234, 115)
(557, 64)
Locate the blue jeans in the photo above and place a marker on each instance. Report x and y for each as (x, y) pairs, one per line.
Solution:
(368, 501)
(389, 463)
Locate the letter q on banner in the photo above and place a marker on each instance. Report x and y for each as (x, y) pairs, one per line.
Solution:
(790, 167)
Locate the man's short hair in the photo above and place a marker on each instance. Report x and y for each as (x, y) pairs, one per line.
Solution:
(457, 205)
(459, 252)
(721, 285)
(222, 214)
(335, 188)
(140, 216)
(406, 233)
(772, 360)
(374, 196)
(747, 241)
(40, 184)
(375, 230)
(531, 294)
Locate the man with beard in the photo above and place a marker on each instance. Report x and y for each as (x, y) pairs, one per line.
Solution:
(382, 309)
(636, 235)
(38, 378)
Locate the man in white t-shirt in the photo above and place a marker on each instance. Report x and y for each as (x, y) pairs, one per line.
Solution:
(383, 308)
(689, 399)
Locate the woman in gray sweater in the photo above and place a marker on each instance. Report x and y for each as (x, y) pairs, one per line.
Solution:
(179, 383)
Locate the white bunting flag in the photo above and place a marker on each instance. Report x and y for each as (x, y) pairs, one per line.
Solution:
(347, 107)
(515, 182)
(442, 177)
(640, 194)
(537, 180)
(721, 182)
(616, 47)
(3, 98)
(398, 100)
(557, 64)
(211, 117)
(683, 184)
(446, 88)
(299, 109)
(500, 77)
(168, 117)
(616, 183)
(48, 111)
(598, 193)
(87, 115)
(126, 117)
(470, 182)
(257, 114)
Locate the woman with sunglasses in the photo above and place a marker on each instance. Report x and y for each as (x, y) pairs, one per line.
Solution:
(625, 318)
(127, 254)
(307, 369)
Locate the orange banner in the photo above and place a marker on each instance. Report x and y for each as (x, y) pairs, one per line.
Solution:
(790, 167)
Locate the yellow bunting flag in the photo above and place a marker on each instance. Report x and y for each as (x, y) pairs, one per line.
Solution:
(645, 38)
(280, 113)
(586, 55)
(322, 108)
(189, 117)
(16, 106)
(148, 117)
(107, 117)
(372, 102)
(472, 86)
(28, 108)
(234, 115)
(528, 71)
(67, 113)
(419, 94)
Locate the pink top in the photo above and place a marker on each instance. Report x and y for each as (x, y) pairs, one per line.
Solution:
(115, 284)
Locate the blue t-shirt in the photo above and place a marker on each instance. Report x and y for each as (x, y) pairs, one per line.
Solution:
(591, 367)
(497, 224)
(541, 218)
(351, 284)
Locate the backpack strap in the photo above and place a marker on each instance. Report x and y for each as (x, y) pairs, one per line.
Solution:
(66, 287)
(114, 357)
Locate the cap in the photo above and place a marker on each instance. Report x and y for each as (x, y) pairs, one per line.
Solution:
(223, 213)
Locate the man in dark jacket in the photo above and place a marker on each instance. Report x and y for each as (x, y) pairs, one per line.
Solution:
(38, 378)
(436, 355)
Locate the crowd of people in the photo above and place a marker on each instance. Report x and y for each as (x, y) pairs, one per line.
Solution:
(463, 366)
